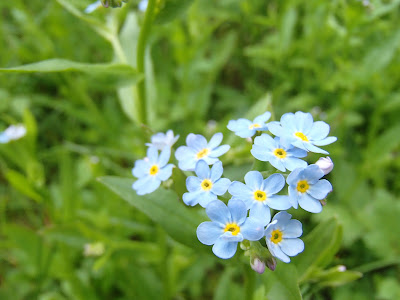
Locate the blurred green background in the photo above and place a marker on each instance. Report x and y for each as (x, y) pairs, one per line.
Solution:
(206, 62)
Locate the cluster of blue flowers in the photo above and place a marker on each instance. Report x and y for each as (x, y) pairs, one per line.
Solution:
(247, 216)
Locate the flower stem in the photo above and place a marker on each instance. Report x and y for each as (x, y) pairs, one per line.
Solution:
(140, 60)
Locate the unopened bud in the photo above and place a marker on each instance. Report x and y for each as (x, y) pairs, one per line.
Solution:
(257, 265)
(112, 3)
(325, 164)
(271, 263)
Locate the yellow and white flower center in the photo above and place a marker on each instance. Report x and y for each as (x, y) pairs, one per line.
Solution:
(154, 170)
(302, 186)
(276, 236)
(232, 227)
(280, 153)
(206, 185)
(255, 125)
(301, 136)
(260, 195)
(202, 153)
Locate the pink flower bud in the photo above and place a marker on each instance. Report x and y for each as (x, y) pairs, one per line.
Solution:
(258, 266)
(325, 164)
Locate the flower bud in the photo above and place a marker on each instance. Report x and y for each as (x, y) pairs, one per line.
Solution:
(257, 265)
(271, 263)
(325, 164)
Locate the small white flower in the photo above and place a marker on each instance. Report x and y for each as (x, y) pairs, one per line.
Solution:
(161, 140)
(325, 164)
(13, 132)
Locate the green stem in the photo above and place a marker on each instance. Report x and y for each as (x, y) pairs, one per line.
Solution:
(140, 59)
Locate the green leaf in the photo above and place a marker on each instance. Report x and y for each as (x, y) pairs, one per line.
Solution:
(110, 73)
(163, 207)
(320, 247)
(336, 277)
(171, 10)
(20, 183)
(282, 284)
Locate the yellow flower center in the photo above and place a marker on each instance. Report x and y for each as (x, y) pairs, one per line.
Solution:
(232, 227)
(153, 170)
(280, 153)
(206, 185)
(260, 195)
(302, 186)
(276, 236)
(202, 153)
(255, 125)
(301, 136)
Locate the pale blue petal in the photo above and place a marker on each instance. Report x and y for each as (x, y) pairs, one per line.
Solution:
(229, 237)
(312, 173)
(293, 177)
(273, 184)
(292, 247)
(319, 131)
(192, 198)
(288, 122)
(242, 192)
(146, 185)
(245, 133)
(292, 163)
(165, 172)
(210, 160)
(207, 197)
(217, 211)
(282, 218)
(221, 186)
(4, 138)
(187, 165)
(253, 180)
(193, 184)
(141, 168)
(310, 204)
(209, 232)
(320, 189)
(276, 128)
(293, 197)
(215, 140)
(252, 229)
(261, 153)
(260, 212)
(196, 141)
(265, 140)
(219, 151)
(216, 171)
(304, 122)
(184, 152)
(310, 147)
(164, 157)
(224, 249)
(202, 170)
(279, 202)
(262, 118)
(296, 152)
(238, 211)
(292, 229)
(152, 155)
(277, 252)
(237, 125)
(326, 141)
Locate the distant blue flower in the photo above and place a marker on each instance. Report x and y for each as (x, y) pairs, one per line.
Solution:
(207, 185)
(151, 171)
(282, 235)
(282, 157)
(245, 128)
(305, 188)
(143, 5)
(301, 131)
(13, 132)
(161, 140)
(197, 148)
(259, 194)
(229, 226)
(92, 7)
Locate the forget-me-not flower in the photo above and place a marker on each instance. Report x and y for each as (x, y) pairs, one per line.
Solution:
(161, 140)
(282, 235)
(259, 194)
(301, 131)
(92, 7)
(143, 5)
(197, 148)
(282, 157)
(306, 188)
(151, 171)
(13, 132)
(245, 128)
(229, 225)
(207, 185)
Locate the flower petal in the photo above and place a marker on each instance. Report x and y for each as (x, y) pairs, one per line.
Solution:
(279, 202)
(221, 186)
(277, 252)
(292, 247)
(253, 180)
(193, 184)
(141, 168)
(292, 229)
(304, 122)
(292, 163)
(273, 184)
(165, 172)
(261, 212)
(215, 140)
(202, 170)
(320, 189)
(326, 141)
(152, 155)
(252, 229)
(238, 211)
(262, 118)
(164, 157)
(206, 197)
(217, 152)
(196, 141)
(209, 232)
(216, 171)
(192, 198)
(224, 249)
(310, 204)
(282, 218)
(312, 173)
(217, 211)
(310, 147)
(146, 185)
(319, 131)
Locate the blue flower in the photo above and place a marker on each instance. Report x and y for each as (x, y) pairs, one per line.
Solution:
(301, 131)
(12, 133)
(197, 148)
(229, 226)
(282, 235)
(161, 140)
(207, 185)
(92, 7)
(245, 128)
(305, 188)
(259, 194)
(151, 171)
(282, 157)
(143, 5)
